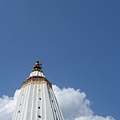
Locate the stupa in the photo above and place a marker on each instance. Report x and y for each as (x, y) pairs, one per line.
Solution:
(37, 100)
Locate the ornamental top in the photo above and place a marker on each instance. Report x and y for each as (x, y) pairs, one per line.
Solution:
(37, 66)
(37, 70)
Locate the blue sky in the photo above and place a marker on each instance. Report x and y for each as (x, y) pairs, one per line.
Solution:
(77, 41)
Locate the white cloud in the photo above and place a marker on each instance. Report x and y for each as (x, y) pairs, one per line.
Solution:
(73, 103)
(7, 106)
(94, 118)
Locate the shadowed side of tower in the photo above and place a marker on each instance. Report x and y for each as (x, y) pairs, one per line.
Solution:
(37, 100)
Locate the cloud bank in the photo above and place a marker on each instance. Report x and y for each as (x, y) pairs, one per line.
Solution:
(73, 103)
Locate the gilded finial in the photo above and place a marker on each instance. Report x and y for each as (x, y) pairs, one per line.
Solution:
(37, 66)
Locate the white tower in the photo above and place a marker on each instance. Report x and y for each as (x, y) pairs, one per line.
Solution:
(37, 100)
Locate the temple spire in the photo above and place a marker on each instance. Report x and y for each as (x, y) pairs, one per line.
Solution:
(37, 100)
(37, 66)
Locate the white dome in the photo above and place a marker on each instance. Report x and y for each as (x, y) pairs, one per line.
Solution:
(36, 73)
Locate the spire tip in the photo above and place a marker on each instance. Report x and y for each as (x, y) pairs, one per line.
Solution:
(37, 66)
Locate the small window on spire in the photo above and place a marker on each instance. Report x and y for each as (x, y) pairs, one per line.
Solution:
(39, 98)
(38, 107)
(39, 116)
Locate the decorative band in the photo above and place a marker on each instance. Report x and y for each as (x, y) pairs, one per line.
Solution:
(36, 81)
